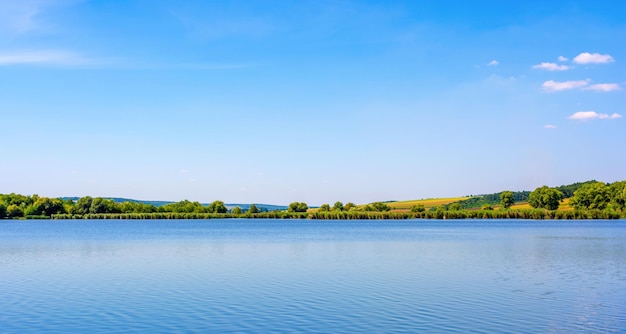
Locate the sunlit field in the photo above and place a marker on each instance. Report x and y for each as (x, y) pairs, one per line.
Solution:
(427, 203)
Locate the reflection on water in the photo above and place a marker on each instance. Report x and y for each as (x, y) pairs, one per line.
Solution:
(276, 276)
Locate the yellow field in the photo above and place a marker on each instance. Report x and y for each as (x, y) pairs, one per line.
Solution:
(564, 206)
(434, 202)
(427, 203)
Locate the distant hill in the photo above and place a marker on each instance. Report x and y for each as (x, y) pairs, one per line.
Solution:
(261, 207)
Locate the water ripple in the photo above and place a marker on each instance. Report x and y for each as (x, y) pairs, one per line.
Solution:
(368, 277)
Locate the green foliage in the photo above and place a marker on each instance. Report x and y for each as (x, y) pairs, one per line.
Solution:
(324, 207)
(591, 200)
(297, 207)
(14, 211)
(17, 199)
(591, 196)
(135, 207)
(253, 209)
(184, 206)
(545, 198)
(419, 208)
(618, 195)
(377, 207)
(506, 199)
(569, 190)
(518, 196)
(83, 205)
(45, 206)
(338, 206)
(454, 206)
(217, 207)
(103, 205)
(491, 199)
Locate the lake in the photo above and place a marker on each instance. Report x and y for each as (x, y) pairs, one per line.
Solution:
(107, 276)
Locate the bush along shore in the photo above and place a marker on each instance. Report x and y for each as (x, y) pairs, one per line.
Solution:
(583, 200)
(360, 215)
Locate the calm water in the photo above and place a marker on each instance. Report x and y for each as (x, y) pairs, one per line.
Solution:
(303, 276)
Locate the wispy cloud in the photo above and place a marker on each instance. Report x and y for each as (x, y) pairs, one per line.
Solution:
(555, 86)
(592, 58)
(493, 63)
(603, 87)
(589, 115)
(550, 67)
(549, 126)
(561, 58)
(47, 57)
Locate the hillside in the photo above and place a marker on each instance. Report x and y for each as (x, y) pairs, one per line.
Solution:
(427, 203)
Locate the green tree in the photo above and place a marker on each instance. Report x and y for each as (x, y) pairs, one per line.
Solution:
(338, 206)
(618, 195)
(506, 199)
(17, 199)
(184, 206)
(236, 211)
(3, 210)
(454, 206)
(380, 207)
(103, 205)
(419, 208)
(545, 198)
(45, 206)
(217, 207)
(297, 207)
(14, 211)
(253, 209)
(324, 207)
(83, 205)
(349, 206)
(591, 196)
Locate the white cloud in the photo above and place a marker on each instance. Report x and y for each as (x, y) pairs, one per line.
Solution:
(493, 63)
(551, 67)
(589, 115)
(603, 87)
(549, 126)
(592, 58)
(555, 86)
(561, 58)
(45, 57)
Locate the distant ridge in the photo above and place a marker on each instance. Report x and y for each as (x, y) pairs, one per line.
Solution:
(262, 207)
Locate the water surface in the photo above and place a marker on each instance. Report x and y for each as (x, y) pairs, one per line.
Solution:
(311, 276)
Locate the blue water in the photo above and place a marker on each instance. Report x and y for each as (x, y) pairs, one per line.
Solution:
(308, 276)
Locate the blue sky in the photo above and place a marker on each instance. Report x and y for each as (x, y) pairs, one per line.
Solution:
(314, 101)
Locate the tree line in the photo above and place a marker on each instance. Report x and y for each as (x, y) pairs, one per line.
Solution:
(35, 206)
(587, 198)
